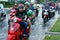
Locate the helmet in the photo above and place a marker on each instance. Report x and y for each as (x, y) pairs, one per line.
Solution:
(29, 13)
(27, 3)
(21, 6)
(35, 6)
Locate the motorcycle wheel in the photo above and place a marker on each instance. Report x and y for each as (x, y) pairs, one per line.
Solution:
(53, 14)
(45, 20)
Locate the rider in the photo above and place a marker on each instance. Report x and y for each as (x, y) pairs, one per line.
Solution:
(46, 7)
(27, 8)
(32, 7)
(51, 3)
(30, 13)
(36, 9)
(15, 7)
(21, 13)
(2, 12)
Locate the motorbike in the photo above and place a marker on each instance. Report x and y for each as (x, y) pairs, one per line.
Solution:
(15, 31)
(2, 15)
(51, 12)
(45, 16)
(33, 20)
(36, 11)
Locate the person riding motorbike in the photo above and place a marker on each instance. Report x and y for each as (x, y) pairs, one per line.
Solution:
(21, 13)
(15, 7)
(27, 6)
(32, 7)
(51, 3)
(30, 13)
(36, 9)
(2, 13)
(46, 6)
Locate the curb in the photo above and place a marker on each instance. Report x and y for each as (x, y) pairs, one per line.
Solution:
(53, 24)
(53, 33)
(6, 8)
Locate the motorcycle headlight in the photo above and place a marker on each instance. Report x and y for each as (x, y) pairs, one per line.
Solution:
(45, 13)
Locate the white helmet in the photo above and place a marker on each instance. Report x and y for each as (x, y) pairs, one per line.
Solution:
(35, 6)
(27, 3)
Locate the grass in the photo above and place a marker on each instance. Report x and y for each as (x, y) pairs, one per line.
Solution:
(56, 26)
(52, 37)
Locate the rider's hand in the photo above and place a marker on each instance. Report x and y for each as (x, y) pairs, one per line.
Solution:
(25, 17)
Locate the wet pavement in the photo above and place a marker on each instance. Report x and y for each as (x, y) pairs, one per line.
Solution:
(4, 28)
(37, 30)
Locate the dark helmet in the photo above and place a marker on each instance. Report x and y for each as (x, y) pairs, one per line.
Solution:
(21, 6)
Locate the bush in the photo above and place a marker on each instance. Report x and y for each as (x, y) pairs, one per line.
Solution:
(10, 4)
(7, 4)
(40, 1)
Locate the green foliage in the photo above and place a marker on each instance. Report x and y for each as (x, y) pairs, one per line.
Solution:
(7, 4)
(56, 26)
(40, 1)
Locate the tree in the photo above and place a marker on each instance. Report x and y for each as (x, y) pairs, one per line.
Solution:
(40, 1)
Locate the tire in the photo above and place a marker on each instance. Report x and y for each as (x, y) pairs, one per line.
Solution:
(49, 15)
(44, 20)
(53, 14)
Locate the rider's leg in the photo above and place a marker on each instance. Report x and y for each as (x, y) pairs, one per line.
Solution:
(24, 24)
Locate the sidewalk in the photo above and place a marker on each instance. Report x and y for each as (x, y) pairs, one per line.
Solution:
(6, 8)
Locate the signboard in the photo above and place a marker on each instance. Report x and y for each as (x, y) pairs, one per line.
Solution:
(3, 0)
